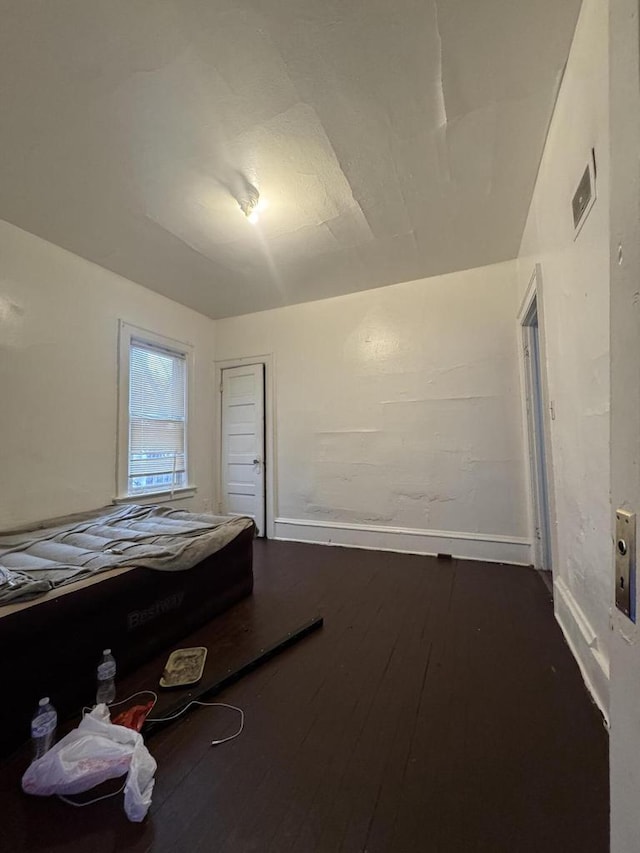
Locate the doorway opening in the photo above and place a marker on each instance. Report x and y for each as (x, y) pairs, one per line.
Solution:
(535, 420)
(535, 412)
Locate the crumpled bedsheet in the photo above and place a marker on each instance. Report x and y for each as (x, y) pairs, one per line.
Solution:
(36, 560)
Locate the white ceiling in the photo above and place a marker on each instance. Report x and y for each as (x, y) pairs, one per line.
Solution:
(392, 139)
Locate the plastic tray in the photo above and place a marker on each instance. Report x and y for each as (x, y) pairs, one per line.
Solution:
(184, 667)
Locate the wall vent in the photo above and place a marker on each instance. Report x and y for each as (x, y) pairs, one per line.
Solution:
(585, 195)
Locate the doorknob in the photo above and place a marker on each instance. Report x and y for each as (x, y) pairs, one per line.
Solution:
(257, 461)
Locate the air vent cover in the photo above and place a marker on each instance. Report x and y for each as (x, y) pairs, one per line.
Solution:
(584, 197)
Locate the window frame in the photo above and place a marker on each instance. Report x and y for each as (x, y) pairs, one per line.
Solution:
(126, 334)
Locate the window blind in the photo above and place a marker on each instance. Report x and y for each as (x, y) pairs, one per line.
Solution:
(157, 419)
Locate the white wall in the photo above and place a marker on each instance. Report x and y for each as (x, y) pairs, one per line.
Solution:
(398, 415)
(575, 298)
(58, 378)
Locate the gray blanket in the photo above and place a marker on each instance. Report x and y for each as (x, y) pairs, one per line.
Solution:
(34, 561)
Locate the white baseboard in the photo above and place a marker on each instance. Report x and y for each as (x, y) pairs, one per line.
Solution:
(408, 540)
(584, 644)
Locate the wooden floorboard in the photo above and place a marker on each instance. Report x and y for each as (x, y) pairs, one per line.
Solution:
(437, 710)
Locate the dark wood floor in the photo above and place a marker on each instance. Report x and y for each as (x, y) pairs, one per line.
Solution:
(438, 710)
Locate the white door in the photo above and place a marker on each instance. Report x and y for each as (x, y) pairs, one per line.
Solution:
(624, 684)
(243, 443)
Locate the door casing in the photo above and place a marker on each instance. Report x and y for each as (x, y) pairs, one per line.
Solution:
(536, 461)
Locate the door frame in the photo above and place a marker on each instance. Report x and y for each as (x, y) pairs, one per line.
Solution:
(269, 434)
(534, 437)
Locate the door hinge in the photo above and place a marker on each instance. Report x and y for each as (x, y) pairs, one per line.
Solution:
(526, 351)
(538, 533)
(221, 384)
(553, 411)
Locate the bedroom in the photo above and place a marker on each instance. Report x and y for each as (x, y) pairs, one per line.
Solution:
(394, 402)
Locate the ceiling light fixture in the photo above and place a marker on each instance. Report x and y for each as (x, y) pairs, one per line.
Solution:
(260, 206)
(250, 203)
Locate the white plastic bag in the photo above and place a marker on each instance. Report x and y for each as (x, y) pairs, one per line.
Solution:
(94, 752)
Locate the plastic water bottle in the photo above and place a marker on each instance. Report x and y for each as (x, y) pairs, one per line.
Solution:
(106, 679)
(43, 728)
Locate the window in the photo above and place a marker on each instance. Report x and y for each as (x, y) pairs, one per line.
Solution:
(153, 396)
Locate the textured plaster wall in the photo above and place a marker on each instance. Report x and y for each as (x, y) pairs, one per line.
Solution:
(58, 378)
(575, 297)
(397, 406)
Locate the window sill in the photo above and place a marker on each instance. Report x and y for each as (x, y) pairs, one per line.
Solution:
(157, 497)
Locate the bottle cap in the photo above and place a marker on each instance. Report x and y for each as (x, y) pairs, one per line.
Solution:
(44, 701)
(106, 651)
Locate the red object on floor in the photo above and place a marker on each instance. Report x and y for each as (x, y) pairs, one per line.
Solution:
(134, 717)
